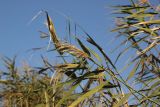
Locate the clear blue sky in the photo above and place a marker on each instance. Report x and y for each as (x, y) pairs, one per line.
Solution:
(17, 36)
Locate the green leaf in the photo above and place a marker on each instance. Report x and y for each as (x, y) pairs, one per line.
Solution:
(155, 84)
(95, 55)
(132, 73)
(83, 47)
(88, 94)
(107, 59)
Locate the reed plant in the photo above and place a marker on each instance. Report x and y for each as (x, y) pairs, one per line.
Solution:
(87, 77)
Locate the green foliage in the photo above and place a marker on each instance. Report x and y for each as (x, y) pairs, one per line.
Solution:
(90, 78)
(139, 24)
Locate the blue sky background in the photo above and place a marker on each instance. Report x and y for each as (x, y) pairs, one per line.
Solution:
(17, 34)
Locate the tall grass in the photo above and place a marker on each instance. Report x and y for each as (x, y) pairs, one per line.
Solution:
(89, 78)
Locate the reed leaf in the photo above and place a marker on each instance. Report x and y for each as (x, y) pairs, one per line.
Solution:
(88, 94)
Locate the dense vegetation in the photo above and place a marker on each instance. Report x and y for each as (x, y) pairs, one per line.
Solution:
(86, 76)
